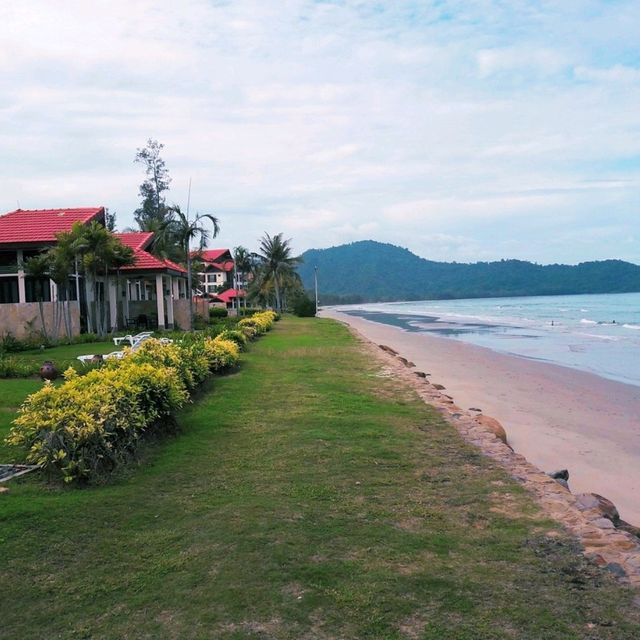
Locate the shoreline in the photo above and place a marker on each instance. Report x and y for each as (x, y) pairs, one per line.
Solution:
(555, 416)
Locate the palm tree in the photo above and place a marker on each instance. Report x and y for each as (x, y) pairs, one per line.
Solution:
(38, 268)
(99, 252)
(61, 265)
(243, 266)
(277, 262)
(187, 230)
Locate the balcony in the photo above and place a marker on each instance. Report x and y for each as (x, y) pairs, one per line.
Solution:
(8, 269)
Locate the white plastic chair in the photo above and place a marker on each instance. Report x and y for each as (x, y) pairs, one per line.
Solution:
(132, 340)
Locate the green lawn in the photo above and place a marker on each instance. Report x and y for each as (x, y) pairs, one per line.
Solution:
(63, 357)
(307, 497)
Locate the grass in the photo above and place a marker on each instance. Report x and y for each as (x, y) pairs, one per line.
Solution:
(26, 364)
(307, 497)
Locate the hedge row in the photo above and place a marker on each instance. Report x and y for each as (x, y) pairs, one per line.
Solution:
(91, 424)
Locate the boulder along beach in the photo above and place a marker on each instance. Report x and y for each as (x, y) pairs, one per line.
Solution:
(557, 417)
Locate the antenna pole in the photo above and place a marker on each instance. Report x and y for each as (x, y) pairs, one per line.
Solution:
(188, 198)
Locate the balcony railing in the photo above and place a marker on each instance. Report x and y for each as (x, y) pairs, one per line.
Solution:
(8, 268)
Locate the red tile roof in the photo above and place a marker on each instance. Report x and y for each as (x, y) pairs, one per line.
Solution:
(144, 261)
(211, 255)
(135, 239)
(42, 225)
(230, 294)
(223, 266)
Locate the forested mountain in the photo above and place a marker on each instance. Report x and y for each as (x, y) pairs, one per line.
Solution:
(374, 271)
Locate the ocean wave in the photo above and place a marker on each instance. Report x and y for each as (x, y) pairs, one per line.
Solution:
(587, 321)
(631, 326)
(599, 336)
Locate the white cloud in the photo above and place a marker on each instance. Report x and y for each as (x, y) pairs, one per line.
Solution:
(493, 124)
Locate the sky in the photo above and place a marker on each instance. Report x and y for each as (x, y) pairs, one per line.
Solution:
(461, 129)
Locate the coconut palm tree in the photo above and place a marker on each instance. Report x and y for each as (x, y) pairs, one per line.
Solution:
(38, 268)
(185, 231)
(99, 252)
(277, 262)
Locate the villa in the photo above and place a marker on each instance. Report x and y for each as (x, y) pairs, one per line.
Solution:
(217, 275)
(152, 292)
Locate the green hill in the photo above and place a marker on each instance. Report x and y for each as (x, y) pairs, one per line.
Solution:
(375, 271)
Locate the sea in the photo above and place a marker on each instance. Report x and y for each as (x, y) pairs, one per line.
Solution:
(595, 333)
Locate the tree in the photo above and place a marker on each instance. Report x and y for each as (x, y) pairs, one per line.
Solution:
(153, 206)
(98, 252)
(38, 268)
(110, 219)
(277, 263)
(62, 262)
(244, 266)
(187, 230)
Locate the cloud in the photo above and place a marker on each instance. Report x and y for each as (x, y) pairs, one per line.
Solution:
(456, 128)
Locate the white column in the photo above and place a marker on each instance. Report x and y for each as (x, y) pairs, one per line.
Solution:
(160, 300)
(113, 305)
(22, 292)
(127, 292)
(176, 288)
(170, 304)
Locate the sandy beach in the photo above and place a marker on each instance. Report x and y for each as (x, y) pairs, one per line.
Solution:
(555, 416)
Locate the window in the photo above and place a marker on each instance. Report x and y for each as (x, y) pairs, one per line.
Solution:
(8, 290)
(37, 289)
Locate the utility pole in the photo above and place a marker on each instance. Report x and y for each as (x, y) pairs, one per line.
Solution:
(315, 280)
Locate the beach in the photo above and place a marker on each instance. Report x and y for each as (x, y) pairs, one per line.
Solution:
(557, 417)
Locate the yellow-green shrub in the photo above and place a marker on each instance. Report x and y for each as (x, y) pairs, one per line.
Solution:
(221, 353)
(260, 322)
(90, 424)
(189, 360)
(234, 335)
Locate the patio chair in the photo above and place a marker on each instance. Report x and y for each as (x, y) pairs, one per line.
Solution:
(114, 354)
(143, 335)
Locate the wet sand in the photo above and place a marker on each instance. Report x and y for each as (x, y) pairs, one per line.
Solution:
(555, 416)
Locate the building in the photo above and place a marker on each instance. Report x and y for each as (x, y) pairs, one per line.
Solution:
(217, 275)
(152, 292)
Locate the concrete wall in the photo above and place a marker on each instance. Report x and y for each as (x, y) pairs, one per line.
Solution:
(181, 311)
(22, 319)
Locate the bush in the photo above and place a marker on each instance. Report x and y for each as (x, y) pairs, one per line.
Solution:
(92, 423)
(257, 324)
(11, 344)
(199, 322)
(221, 353)
(304, 307)
(218, 312)
(235, 335)
(11, 367)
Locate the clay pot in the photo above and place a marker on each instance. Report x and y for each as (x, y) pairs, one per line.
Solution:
(48, 370)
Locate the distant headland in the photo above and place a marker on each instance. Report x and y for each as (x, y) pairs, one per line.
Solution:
(370, 271)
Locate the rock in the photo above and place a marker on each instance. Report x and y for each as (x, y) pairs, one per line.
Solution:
(403, 360)
(420, 374)
(561, 474)
(475, 409)
(616, 569)
(440, 387)
(410, 364)
(604, 523)
(388, 349)
(585, 501)
(629, 528)
(492, 425)
(597, 558)
(563, 483)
